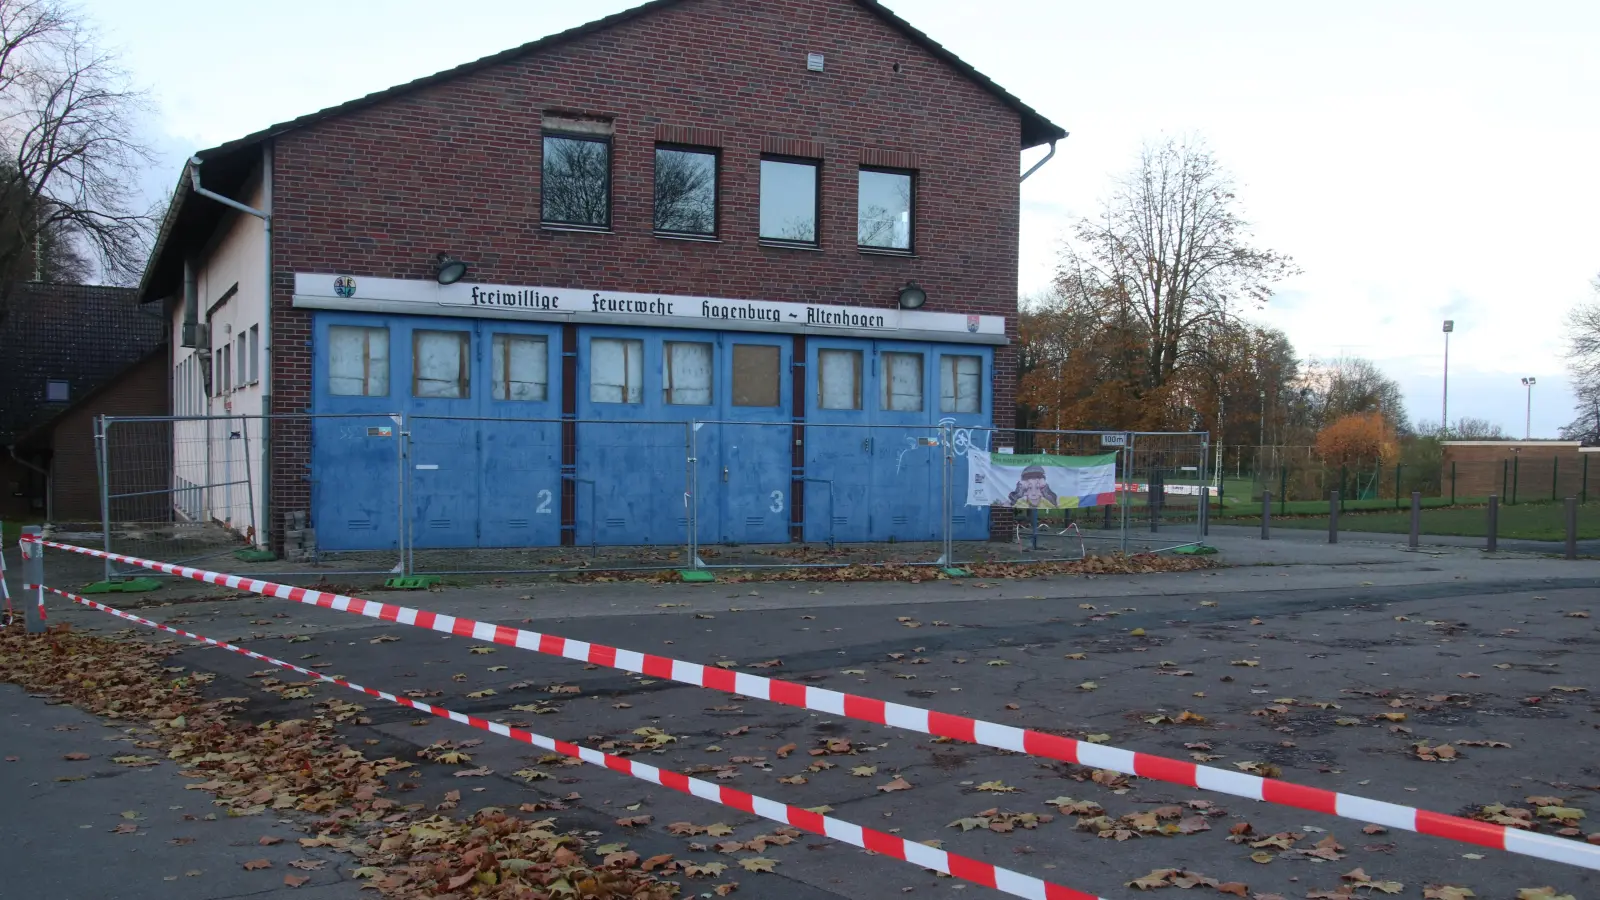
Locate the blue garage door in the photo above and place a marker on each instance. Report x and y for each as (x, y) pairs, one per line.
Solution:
(638, 391)
(872, 437)
(482, 401)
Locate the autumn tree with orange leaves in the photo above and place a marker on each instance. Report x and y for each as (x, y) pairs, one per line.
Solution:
(1358, 441)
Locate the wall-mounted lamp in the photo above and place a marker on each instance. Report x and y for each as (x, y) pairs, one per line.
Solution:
(450, 269)
(912, 297)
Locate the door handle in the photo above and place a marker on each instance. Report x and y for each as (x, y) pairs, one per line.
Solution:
(866, 445)
(724, 474)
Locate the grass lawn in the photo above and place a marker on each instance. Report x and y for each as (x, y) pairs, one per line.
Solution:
(14, 529)
(1527, 521)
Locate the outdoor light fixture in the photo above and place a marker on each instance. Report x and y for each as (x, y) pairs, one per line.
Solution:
(912, 297)
(450, 269)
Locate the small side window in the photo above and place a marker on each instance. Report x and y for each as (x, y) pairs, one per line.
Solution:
(520, 365)
(961, 384)
(255, 353)
(616, 370)
(686, 380)
(839, 379)
(57, 391)
(902, 382)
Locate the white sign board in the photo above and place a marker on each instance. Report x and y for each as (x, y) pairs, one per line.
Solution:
(317, 291)
(1113, 440)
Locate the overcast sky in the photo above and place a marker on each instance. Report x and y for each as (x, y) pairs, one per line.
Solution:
(1419, 160)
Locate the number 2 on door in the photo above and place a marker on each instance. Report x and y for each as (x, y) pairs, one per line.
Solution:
(544, 503)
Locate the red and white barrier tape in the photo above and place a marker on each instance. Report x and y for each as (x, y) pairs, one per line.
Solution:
(952, 864)
(912, 718)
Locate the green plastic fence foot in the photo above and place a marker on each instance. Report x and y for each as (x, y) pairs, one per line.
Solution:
(255, 555)
(412, 582)
(955, 572)
(1196, 550)
(695, 575)
(131, 586)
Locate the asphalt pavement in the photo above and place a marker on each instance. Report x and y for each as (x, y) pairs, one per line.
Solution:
(1330, 663)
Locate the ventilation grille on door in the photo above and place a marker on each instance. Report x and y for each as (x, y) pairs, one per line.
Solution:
(439, 523)
(361, 525)
(958, 520)
(754, 521)
(616, 523)
(841, 520)
(517, 523)
(901, 520)
(683, 521)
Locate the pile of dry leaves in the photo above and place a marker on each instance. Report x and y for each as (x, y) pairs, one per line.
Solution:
(1113, 564)
(301, 766)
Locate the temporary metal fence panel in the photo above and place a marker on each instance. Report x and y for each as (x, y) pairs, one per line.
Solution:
(437, 494)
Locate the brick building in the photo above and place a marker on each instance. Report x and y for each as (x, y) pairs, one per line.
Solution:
(69, 352)
(796, 218)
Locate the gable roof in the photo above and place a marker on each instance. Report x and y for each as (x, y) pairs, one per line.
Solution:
(1036, 129)
(82, 334)
(229, 167)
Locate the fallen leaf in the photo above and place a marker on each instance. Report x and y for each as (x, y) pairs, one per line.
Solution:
(864, 771)
(784, 751)
(757, 864)
(1088, 686)
(995, 787)
(295, 881)
(76, 757)
(254, 864)
(1446, 892)
(899, 784)
(481, 650)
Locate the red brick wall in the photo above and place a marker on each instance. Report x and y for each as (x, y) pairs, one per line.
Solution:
(455, 167)
(142, 390)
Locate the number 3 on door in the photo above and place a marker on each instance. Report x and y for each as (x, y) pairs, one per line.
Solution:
(777, 502)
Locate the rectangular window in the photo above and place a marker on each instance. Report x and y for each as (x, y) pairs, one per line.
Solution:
(789, 201)
(576, 181)
(255, 353)
(358, 361)
(686, 191)
(756, 376)
(520, 367)
(242, 364)
(687, 376)
(839, 379)
(616, 370)
(902, 382)
(57, 391)
(961, 384)
(225, 364)
(883, 210)
(441, 364)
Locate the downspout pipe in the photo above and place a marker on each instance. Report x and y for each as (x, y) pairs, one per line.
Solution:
(264, 527)
(1040, 164)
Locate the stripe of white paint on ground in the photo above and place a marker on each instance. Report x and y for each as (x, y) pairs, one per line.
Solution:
(824, 700)
(1553, 848)
(627, 660)
(843, 831)
(929, 857)
(1236, 783)
(1005, 737)
(752, 686)
(901, 716)
(1103, 757)
(1376, 811)
(770, 809)
(1018, 884)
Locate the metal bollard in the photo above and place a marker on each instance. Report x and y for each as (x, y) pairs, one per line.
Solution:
(33, 573)
(1266, 515)
(1416, 519)
(1494, 523)
(1205, 510)
(1572, 528)
(1333, 517)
